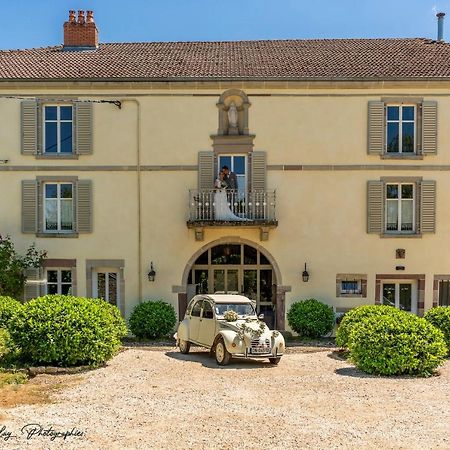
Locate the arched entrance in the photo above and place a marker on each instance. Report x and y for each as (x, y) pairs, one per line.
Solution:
(235, 265)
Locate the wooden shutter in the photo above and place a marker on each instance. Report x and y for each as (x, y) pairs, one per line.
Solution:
(429, 128)
(205, 170)
(428, 206)
(258, 177)
(29, 206)
(83, 128)
(375, 144)
(375, 207)
(32, 290)
(84, 206)
(29, 123)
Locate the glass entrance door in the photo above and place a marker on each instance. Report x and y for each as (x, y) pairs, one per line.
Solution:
(402, 295)
(105, 285)
(226, 281)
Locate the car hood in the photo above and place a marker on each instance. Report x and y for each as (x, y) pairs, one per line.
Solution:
(251, 329)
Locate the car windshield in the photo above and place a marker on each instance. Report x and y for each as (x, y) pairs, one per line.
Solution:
(242, 309)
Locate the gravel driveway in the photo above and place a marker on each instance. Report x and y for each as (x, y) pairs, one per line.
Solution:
(157, 398)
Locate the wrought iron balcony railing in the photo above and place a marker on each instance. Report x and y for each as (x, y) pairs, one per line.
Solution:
(213, 205)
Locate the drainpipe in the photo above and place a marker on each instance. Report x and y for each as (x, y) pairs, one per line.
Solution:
(440, 17)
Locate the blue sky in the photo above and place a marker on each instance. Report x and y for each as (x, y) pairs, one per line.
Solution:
(31, 23)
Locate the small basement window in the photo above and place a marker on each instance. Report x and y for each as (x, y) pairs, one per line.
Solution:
(351, 285)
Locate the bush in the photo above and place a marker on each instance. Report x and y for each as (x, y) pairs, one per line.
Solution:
(440, 318)
(6, 344)
(396, 345)
(65, 330)
(8, 308)
(356, 315)
(152, 319)
(311, 318)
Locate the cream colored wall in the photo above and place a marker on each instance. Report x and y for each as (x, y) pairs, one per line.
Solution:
(321, 213)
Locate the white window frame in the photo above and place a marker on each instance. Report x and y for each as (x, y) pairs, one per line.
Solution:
(397, 283)
(58, 207)
(106, 271)
(399, 210)
(400, 122)
(58, 122)
(358, 291)
(59, 281)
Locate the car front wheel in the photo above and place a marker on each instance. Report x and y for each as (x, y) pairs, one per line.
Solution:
(184, 346)
(222, 354)
(274, 361)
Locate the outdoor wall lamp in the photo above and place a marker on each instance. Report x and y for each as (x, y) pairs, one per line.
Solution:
(152, 273)
(305, 275)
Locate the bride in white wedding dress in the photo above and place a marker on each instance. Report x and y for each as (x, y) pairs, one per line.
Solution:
(221, 209)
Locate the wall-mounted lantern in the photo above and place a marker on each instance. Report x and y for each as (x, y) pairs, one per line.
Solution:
(152, 273)
(305, 275)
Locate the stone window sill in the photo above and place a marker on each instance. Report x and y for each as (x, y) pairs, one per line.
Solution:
(351, 296)
(57, 235)
(57, 156)
(401, 235)
(402, 156)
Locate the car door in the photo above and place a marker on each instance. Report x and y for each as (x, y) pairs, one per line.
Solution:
(207, 328)
(194, 320)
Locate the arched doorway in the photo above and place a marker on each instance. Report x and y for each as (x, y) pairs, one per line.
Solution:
(237, 266)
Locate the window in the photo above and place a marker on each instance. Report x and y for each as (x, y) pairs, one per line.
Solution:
(351, 285)
(59, 281)
(400, 207)
(58, 207)
(238, 165)
(57, 131)
(207, 310)
(402, 295)
(106, 286)
(400, 129)
(196, 309)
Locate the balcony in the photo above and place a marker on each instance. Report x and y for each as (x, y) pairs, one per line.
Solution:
(213, 208)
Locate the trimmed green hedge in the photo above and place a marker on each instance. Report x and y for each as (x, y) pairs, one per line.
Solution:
(8, 308)
(311, 318)
(356, 315)
(152, 319)
(440, 318)
(6, 344)
(396, 345)
(65, 330)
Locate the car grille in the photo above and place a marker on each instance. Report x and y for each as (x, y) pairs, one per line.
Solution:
(260, 342)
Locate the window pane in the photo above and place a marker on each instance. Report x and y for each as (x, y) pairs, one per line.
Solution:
(250, 284)
(207, 310)
(239, 165)
(265, 285)
(50, 137)
(407, 191)
(224, 161)
(232, 280)
(392, 215)
(50, 113)
(52, 276)
(408, 113)
(51, 191)
(66, 137)
(101, 288)
(112, 288)
(219, 280)
(263, 259)
(201, 281)
(407, 215)
(197, 308)
(250, 254)
(392, 191)
(389, 294)
(66, 191)
(392, 112)
(392, 138)
(66, 276)
(52, 289)
(203, 258)
(408, 137)
(66, 215)
(405, 296)
(226, 254)
(66, 112)
(51, 215)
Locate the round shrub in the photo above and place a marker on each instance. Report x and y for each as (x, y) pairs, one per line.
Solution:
(6, 344)
(311, 318)
(65, 330)
(355, 315)
(8, 308)
(440, 318)
(152, 319)
(396, 345)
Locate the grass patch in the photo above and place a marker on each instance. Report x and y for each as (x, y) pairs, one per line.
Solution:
(12, 379)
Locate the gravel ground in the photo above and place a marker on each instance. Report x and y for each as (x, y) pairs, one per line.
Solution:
(157, 398)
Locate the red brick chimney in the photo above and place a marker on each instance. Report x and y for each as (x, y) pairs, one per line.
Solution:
(80, 34)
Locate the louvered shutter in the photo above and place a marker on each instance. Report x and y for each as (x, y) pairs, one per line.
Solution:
(29, 206)
(375, 144)
(205, 170)
(429, 128)
(428, 206)
(84, 206)
(375, 207)
(83, 128)
(258, 171)
(32, 288)
(29, 123)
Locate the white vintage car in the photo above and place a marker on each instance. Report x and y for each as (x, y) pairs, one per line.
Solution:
(228, 326)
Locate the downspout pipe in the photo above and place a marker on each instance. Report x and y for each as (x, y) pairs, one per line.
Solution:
(440, 17)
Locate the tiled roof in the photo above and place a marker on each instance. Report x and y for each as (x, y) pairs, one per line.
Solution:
(258, 60)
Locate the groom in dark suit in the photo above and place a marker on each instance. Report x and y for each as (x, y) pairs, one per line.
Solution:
(230, 178)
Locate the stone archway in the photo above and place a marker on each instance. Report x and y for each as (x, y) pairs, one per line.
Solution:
(265, 263)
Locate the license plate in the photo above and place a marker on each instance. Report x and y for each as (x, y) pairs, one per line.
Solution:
(259, 350)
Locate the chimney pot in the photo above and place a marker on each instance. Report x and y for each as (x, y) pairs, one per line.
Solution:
(90, 17)
(80, 16)
(440, 17)
(81, 34)
(71, 16)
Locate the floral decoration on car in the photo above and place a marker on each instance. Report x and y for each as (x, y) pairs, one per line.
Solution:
(231, 316)
(258, 332)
